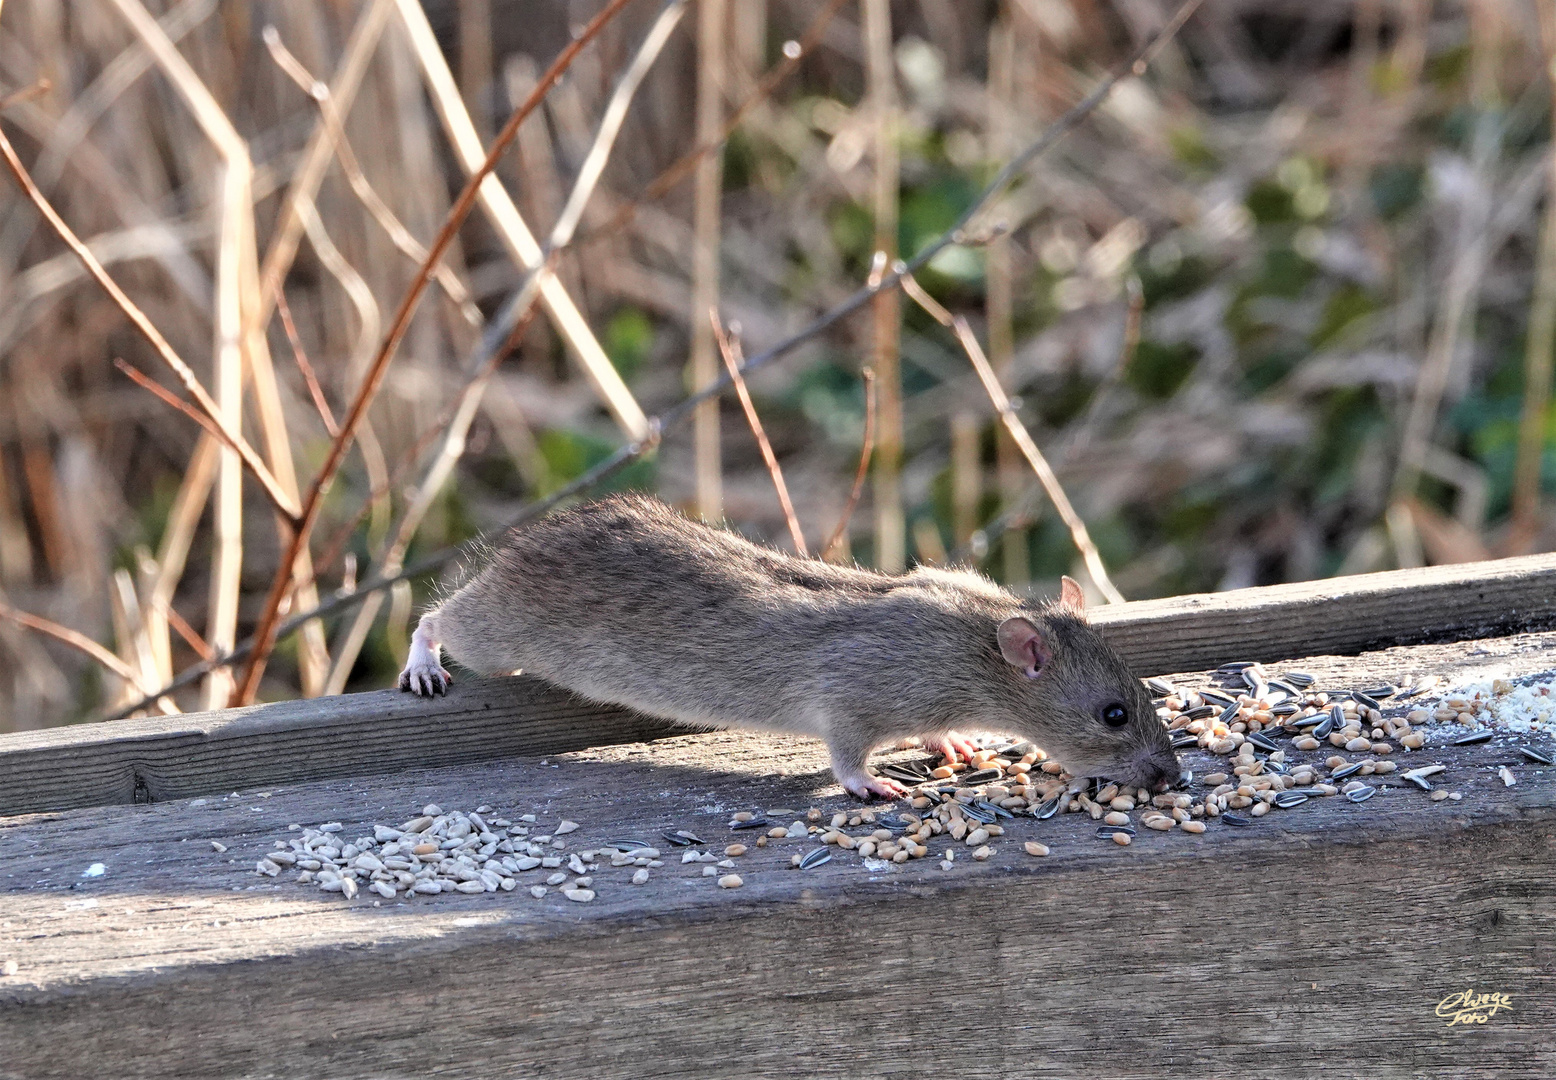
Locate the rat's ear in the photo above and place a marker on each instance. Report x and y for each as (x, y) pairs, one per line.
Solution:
(1071, 594)
(1024, 646)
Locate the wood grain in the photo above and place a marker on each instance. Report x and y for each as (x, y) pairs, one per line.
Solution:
(1341, 615)
(172, 757)
(1321, 938)
(362, 734)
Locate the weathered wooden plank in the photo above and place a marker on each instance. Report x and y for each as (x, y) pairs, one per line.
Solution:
(359, 734)
(1323, 934)
(1343, 615)
(172, 757)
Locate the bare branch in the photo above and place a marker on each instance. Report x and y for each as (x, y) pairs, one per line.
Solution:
(863, 472)
(732, 365)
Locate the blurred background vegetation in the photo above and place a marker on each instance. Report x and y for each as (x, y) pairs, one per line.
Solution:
(1326, 219)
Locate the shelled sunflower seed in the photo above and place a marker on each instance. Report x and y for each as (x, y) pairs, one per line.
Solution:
(440, 851)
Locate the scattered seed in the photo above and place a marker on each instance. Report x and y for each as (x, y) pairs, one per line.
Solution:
(1533, 755)
(814, 858)
(1439, 795)
(1473, 738)
(1361, 794)
(734, 850)
(1192, 826)
(1236, 819)
(1122, 839)
(1287, 799)
(1034, 848)
(730, 881)
(1507, 776)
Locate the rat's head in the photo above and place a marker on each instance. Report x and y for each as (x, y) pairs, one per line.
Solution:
(1078, 700)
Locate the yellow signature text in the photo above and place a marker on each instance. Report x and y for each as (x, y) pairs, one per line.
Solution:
(1468, 1007)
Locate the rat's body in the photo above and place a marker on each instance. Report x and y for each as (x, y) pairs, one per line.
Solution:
(624, 601)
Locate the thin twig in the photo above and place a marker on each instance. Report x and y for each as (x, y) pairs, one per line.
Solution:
(680, 169)
(26, 93)
(315, 391)
(732, 365)
(265, 630)
(287, 507)
(1020, 435)
(167, 397)
(678, 414)
(187, 632)
(80, 641)
(335, 131)
(863, 472)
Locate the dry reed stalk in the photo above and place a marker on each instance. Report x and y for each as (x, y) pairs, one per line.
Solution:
(351, 168)
(316, 156)
(881, 83)
(1022, 437)
(475, 62)
(270, 628)
(144, 325)
(26, 93)
(683, 166)
(241, 350)
(131, 623)
(966, 475)
(704, 371)
(1541, 339)
(928, 544)
(510, 226)
(866, 449)
(1000, 296)
(503, 334)
(1461, 290)
(265, 630)
(729, 351)
(177, 534)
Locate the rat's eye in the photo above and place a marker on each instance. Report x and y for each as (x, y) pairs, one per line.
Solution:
(1115, 715)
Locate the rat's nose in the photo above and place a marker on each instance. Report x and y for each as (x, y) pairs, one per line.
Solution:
(1161, 775)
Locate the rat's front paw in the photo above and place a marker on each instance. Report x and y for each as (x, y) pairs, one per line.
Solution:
(424, 677)
(863, 785)
(952, 747)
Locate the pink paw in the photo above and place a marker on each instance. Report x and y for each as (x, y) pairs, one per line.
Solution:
(425, 678)
(952, 747)
(863, 785)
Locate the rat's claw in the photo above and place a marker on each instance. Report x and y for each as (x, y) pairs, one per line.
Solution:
(425, 680)
(863, 785)
(952, 746)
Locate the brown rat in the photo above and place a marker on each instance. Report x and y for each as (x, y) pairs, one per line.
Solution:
(625, 601)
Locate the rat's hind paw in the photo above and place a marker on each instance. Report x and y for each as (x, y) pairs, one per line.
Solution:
(425, 678)
(864, 785)
(951, 746)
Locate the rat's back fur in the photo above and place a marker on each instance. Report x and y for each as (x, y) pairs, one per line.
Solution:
(627, 602)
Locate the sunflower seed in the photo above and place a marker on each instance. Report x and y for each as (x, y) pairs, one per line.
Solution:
(1287, 799)
(1236, 819)
(815, 858)
(1325, 726)
(1229, 713)
(1346, 770)
(1286, 708)
(1160, 687)
(1215, 697)
(1183, 742)
(1309, 721)
(1361, 794)
(1301, 678)
(626, 845)
(1198, 712)
(754, 823)
(982, 776)
(1365, 699)
(1233, 667)
(1106, 832)
(1535, 756)
(978, 814)
(1263, 742)
(1284, 685)
(1473, 738)
(1050, 808)
(997, 811)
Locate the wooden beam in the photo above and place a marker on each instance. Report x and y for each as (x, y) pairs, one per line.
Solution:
(1326, 932)
(1343, 616)
(362, 734)
(173, 757)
